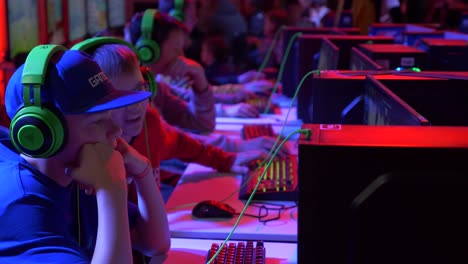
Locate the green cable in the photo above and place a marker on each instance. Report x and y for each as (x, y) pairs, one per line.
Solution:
(250, 197)
(78, 214)
(277, 138)
(290, 106)
(270, 50)
(281, 69)
(273, 152)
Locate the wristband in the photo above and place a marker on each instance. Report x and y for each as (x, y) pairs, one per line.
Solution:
(144, 172)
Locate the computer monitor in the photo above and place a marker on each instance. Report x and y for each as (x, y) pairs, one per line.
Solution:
(76, 21)
(361, 62)
(345, 43)
(339, 163)
(96, 16)
(116, 13)
(445, 54)
(396, 30)
(441, 101)
(309, 45)
(383, 107)
(395, 56)
(23, 29)
(328, 55)
(336, 96)
(55, 22)
(290, 79)
(289, 31)
(412, 38)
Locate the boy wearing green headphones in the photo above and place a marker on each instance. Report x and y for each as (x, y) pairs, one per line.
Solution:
(63, 137)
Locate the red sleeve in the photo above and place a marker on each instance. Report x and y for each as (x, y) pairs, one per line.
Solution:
(167, 142)
(181, 145)
(151, 149)
(198, 114)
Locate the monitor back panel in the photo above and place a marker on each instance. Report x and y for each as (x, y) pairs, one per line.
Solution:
(393, 56)
(309, 46)
(290, 78)
(345, 43)
(442, 102)
(323, 101)
(445, 54)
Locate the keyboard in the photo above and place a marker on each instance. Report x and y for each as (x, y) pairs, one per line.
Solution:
(250, 131)
(278, 184)
(260, 103)
(238, 253)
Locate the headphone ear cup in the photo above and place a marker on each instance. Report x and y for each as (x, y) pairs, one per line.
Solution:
(149, 77)
(177, 14)
(148, 50)
(38, 132)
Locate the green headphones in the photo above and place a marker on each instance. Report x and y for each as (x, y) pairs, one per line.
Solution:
(91, 44)
(148, 50)
(178, 11)
(38, 130)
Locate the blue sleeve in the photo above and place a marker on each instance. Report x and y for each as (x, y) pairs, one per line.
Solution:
(89, 220)
(132, 214)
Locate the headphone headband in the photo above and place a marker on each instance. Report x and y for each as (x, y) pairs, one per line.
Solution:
(37, 130)
(147, 23)
(36, 63)
(89, 45)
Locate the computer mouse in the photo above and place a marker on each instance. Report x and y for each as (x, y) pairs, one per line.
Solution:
(213, 209)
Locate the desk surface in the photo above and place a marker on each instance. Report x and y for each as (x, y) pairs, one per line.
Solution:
(194, 251)
(233, 126)
(202, 183)
(285, 117)
(199, 183)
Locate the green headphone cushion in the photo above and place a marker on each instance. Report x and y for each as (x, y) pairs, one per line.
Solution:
(147, 48)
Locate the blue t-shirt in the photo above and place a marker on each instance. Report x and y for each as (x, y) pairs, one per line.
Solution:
(38, 217)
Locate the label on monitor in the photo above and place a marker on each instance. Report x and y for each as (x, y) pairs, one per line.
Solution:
(330, 127)
(407, 61)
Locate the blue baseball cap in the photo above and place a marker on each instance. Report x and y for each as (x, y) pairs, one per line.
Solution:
(76, 85)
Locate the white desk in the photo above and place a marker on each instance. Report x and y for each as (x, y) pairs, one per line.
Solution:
(275, 119)
(230, 125)
(202, 183)
(194, 251)
(284, 103)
